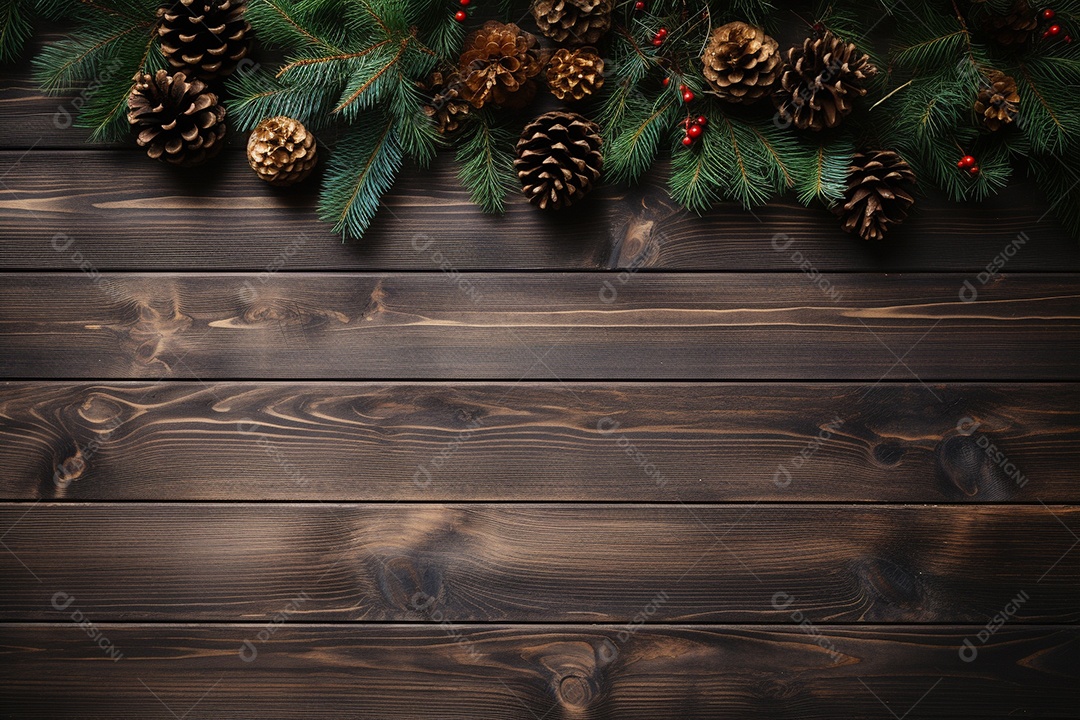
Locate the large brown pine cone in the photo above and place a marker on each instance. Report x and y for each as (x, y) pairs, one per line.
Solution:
(997, 103)
(558, 159)
(574, 22)
(204, 39)
(741, 62)
(281, 151)
(575, 74)
(177, 120)
(820, 82)
(878, 194)
(498, 64)
(446, 107)
(1014, 28)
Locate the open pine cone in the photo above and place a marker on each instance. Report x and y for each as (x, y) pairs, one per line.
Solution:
(821, 81)
(575, 74)
(498, 64)
(204, 39)
(878, 194)
(574, 22)
(446, 107)
(997, 103)
(177, 120)
(281, 151)
(558, 159)
(741, 62)
(1014, 28)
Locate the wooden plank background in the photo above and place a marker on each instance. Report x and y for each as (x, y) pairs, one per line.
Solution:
(468, 469)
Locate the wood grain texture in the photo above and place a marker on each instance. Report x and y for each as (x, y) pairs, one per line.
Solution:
(111, 201)
(540, 562)
(537, 326)
(525, 673)
(695, 442)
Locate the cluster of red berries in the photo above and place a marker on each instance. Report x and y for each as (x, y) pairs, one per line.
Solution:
(461, 15)
(659, 37)
(694, 128)
(1054, 30)
(687, 93)
(969, 165)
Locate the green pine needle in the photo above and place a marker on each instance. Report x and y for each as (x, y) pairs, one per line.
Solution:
(486, 154)
(362, 168)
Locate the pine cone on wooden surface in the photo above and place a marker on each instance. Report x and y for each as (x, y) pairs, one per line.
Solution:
(446, 108)
(204, 39)
(558, 159)
(878, 194)
(820, 82)
(281, 151)
(177, 120)
(741, 62)
(498, 64)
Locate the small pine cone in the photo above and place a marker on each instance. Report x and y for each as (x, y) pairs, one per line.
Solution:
(281, 151)
(1014, 28)
(177, 120)
(575, 74)
(997, 103)
(878, 194)
(446, 107)
(741, 62)
(574, 22)
(204, 39)
(558, 159)
(498, 65)
(820, 82)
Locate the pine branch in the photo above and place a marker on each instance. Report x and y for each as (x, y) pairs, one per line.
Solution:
(362, 167)
(824, 176)
(15, 29)
(631, 145)
(1058, 181)
(486, 154)
(259, 95)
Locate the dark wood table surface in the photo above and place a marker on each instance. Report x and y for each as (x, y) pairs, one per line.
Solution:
(468, 468)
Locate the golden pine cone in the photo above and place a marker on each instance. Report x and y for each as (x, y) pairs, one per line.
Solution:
(820, 82)
(558, 159)
(446, 107)
(281, 151)
(741, 62)
(498, 64)
(177, 120)
(575, 74)
(204, 39)
(997, 102)
(575, 22)
(878, 194)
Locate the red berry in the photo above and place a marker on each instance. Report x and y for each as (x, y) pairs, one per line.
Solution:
(657, 42)
(464, 2)
(966, 162)
(662, 32)
(1053, 30)
(683, 88)
(688, 141)
(639, 5)
(1048, 14)
(460, 16)
(694, 131)
(666, 81)
(1067, 38)
(687, 96)
(974, 170)
(702, 120)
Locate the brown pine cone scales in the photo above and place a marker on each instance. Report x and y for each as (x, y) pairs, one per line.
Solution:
(1014, 28)
(281, 151)
(558, 159)
(998, 101)
(498, 64)
(204, 39)
(177, 120)
(574, 22)
(575, 74)
(878, 194)
(741, 62)
(446, 107)
(820, 82)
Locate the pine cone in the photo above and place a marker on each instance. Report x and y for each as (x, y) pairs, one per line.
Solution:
(575, 74)
(820, 82)
(498, 65)
(204, 39)
(177, 120)
(997, 100)
(281, 151)
(741, 62)
(558, 159)
(877, 194)
(1014, 28)
(575, 22)
(446, 107)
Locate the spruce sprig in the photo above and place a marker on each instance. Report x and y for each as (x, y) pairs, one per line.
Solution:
(485, 152)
